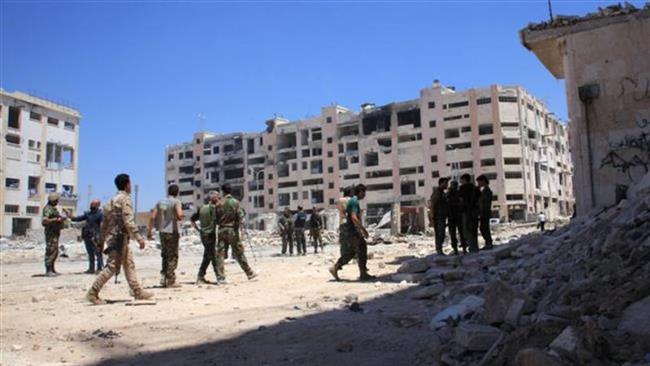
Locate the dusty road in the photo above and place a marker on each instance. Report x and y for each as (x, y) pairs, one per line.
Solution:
(292, 314)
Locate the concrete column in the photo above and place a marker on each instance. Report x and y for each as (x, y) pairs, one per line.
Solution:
(395, 219)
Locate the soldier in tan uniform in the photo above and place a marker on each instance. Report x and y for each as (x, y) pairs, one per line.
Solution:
(53, 222)
(118, 227)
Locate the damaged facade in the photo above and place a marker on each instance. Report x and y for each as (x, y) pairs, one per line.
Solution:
(604, 58)
(39, 149)
(397, 150)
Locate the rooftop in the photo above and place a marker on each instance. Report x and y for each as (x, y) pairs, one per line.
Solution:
(42, 102)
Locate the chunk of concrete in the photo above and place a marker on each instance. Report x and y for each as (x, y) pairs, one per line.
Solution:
(534, 357)
(414, 266)
(408, 277)
(514, 311)
(566, 344)
(456, 312)
(428, 292)
(476, 337)
(498, 300)
(636, 320)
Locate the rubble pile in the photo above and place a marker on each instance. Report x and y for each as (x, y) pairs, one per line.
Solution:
(577, 295)
(568, 20)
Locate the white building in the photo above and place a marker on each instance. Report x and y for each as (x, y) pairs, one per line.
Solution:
(39, 155)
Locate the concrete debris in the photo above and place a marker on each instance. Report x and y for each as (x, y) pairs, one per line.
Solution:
(457, 312)
(636, 321)
(534, 357)
(476, 337)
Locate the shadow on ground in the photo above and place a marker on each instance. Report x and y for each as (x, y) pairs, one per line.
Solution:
(389, 330)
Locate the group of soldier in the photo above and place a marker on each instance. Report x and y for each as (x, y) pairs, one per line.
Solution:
(292, 229)
(108, 231)
(464, 210)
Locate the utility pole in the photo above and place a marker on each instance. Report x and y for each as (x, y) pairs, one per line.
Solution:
(550, 10)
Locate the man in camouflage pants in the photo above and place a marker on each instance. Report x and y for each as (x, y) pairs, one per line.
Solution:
(53, 223)
(118, 227)
(228, 219)
(165, 217)
(207, 215)
(285, 225)
(315, 228)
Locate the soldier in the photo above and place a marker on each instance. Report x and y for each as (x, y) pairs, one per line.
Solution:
(165, 216)
(315, 228)
(299, 222)
(469, 212)
(228, 219)
(90, 235)
(485, 209)
(454, 218)
(356, 236)
(207, 216)
(439, 213)
(341, 206)
(52, 223)
(286, 231)
(118, 227)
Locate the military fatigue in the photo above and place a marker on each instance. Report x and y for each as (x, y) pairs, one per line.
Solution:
(315, 226)
(454, 221)
(207, 216)
(299, 232)
(440, 211)
(355, 245)
(469, 215)
(485, 212)
(118, 227)
(52, 234)
(228, 219)
(167, 225)
(286, 231)
(90, 234)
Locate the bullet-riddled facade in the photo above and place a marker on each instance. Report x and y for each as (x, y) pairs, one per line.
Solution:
(399, 151)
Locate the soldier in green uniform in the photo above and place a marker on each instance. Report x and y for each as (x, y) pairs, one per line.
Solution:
(285, 224)
(207, 217)
(52, 223)
(228, 217)
(166, 217)
(315, 228)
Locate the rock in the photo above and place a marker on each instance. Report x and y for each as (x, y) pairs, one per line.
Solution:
(636, 320)
(355, 307)
(428, 292)
(498, 300)
(457, 312)
(514, 312)
(35, 299)
(17, 347)
(455, 275)
(566, 344)
(408, 277)
(344, 347)
(501, 252)
(476, 337)
(414, 266)
(534, 357)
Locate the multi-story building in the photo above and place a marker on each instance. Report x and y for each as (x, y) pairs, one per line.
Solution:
(398, 151)
(39, 155)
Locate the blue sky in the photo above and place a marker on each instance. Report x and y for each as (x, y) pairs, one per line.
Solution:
(141, 72)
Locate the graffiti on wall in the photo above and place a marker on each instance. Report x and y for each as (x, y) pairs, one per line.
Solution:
(630, 154)
(638, 89)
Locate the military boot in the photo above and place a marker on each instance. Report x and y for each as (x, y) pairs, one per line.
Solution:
(334, 270)
(200, 280)
(93, 297)
(365, 276)
(143, 295)
(252, 275)
(49, 272)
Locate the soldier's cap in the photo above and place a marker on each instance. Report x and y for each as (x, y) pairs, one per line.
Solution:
(52, 197)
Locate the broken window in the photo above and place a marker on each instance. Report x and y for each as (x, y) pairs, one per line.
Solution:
(452, 133)
(12, 183)
(512, 161)
(371, 159)
(488, 162)
(316, 134)
(68, 125)
(233, 173)
(35, 116)
(409, 138)
(317, 197)
(14, 118)
(255, 161)
(459, 146)
(354, 159)
(186, 169)
(316, 166)
(350, 130)
(376, 122)
(288, 140)
(411, 117)
(385, 142)
(50, 187)
(230, 162)
(379, 173)
(485, 129)
(486, 100)
(407, 188)
(12, 139)
(289, 155)
(510, 141)
(284, 199)
(32, 185)
(513, 175)
(67, 191)
(53, 121)
(486, 142)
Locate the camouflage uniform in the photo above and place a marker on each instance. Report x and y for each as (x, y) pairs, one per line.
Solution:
(206, 215)
(315, 227)
(118, 227)
(299, 232)
(52, 233)
(228, 219)
(287, 233)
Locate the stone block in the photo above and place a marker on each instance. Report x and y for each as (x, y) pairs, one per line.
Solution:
(457, 312)
(428, 292)
(414, 266)
(534, 357)
(514, 311)
(476, 337)
(636, 320)
(566, 344)
(408, 277)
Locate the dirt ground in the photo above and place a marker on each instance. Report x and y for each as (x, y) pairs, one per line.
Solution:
(292, 314)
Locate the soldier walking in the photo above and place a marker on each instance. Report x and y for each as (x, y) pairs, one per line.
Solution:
(90, 234)
(315, 228)
(285, 224)
(469, 212)
(118, 227)
(165, 217)
(342, 206)
(52, 223)
(228, 219)
(207, 215)
(485, 209)
(440, 211)
(356, 246)
(299, 222)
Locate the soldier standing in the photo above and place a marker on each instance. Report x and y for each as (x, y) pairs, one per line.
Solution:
(469, 212)
(90, 235)
(228, 219)
(286, 231)
(119, 226)
(52, 223)
(356, 246)
(454, 219)
(440, 211)
(165, 216)
(485, 209)
(315, 228)
(207, 215)
(299, 222)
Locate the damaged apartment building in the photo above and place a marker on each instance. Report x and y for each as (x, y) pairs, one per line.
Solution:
(398, 151)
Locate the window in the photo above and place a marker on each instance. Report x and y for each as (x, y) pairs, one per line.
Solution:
(510, 124)
(328, 119)
(435, 174)
(466, 164)
(294, 195)
(513, 175)
(485, 129)
(514, 197)
(507, 99)
(486, 142)
(284, 199)
(53, 121)
(452, 118)
(12, 139)
(317, 151)
(50, 187)
(12, 183)
(68, 190)
(466, 129)
(305, 195)
(11, 209)
(329, 140)
(434, 158)
(433, 141)
(330, 169)
(330, 154)
(170, 157)
(304, 165)
(452, 133)
(270, 177)
(480, 101)
(432, 124)
(331, 201)
(330, 185)
(510, 141)
(488, 162)
(459, 146)
(305, 153)
(68, 125)
(458, 104)
(32, 186)
(32, 210)
(14, 118)
(35, 116)
(432, 105)
(215, 150)
(512, 161)
(491, 176)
